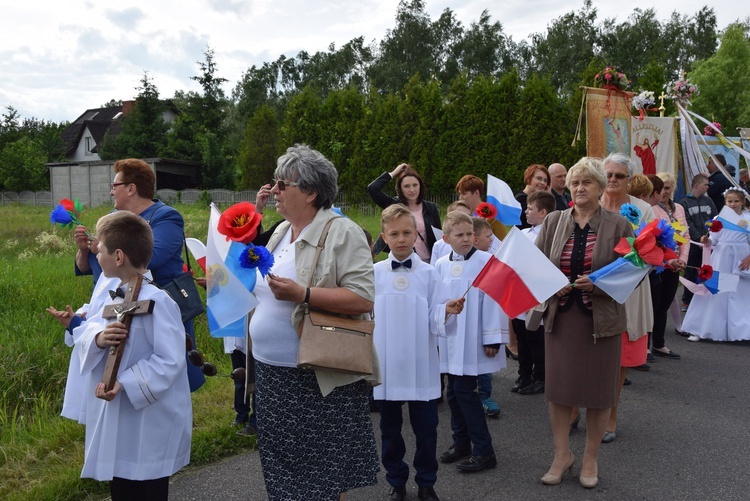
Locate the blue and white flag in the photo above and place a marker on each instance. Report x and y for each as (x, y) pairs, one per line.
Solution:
(228, 298)
(501, 196)
(619, 278)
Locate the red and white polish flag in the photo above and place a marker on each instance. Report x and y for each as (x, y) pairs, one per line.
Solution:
(519, 276)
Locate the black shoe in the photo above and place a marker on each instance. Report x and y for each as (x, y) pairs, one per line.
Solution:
(681, 333)
(237, 423)
(455, 452)
(650, 358)
(477, 463)
(532, 389)
(627, 382)
(668, 354)
(397, 493)
(642, 368)
(427, 494)
(248, 431)
(509, 354)
(520, 383)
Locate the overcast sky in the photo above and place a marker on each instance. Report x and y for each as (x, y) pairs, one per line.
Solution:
(60, 57)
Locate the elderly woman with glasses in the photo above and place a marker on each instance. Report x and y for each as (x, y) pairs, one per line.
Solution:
(133, 190)
(314, 430)
(638, 307)
(582, 325)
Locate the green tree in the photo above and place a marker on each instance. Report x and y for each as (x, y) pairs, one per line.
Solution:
(542, 133)
(724, 82)
(22, 166)
(302, 120)
(483, 50)
(630, 44)
(143, 131)
(407, 49)
(259, 149)
(566, 49)
(200, 132)
(10, 126)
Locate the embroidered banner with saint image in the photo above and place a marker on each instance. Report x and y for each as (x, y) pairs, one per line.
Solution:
(607, 122)
(654, 141)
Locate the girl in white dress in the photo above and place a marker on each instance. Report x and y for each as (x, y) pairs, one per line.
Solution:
(724, 316)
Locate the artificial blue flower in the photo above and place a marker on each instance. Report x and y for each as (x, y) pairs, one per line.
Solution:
(60, 216)
(631, 213)
(257, 257)
(667, 235)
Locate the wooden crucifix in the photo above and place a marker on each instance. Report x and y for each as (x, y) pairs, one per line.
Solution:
(124, 312)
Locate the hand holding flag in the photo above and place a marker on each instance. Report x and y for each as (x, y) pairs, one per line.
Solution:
(519, 276)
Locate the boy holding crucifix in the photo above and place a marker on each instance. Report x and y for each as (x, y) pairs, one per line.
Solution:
(138, 432)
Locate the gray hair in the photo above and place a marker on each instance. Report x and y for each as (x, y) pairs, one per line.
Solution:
(314, 173)
(621, 159)
(588, 167)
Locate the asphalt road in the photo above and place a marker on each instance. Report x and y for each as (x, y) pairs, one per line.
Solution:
(683, 434)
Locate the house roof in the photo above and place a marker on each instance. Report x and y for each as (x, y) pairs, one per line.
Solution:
(97, 120)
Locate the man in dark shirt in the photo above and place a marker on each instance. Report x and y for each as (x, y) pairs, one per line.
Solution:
(557, 174)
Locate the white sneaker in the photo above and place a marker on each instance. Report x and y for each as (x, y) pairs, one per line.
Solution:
(693, 337)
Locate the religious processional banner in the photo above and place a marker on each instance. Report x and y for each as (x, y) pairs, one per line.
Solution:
(607, 122)
(654, 147)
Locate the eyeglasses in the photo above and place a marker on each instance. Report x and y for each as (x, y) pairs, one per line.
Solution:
(281, 185)
(115, 185)
(617, 175)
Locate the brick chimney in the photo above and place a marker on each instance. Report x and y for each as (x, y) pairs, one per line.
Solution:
(127, 107)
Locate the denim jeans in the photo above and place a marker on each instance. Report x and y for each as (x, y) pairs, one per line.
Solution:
(484, 386)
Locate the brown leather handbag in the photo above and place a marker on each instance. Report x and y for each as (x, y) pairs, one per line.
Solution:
(333, 342)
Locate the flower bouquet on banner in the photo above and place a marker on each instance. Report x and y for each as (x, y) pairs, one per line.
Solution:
(232, 267)
(653, 245)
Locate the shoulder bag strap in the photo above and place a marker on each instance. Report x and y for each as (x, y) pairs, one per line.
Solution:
(320, 247)
(187, 255)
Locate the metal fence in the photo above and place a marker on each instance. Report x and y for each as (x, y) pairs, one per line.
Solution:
(345, 200)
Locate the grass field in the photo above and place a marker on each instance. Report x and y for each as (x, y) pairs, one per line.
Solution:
(41, 453)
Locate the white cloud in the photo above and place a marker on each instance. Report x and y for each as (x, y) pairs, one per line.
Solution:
(81, 54)
(126, 19)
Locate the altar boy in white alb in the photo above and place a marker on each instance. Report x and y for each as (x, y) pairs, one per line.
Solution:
(138, 433)
(470, 346)
(410, 308)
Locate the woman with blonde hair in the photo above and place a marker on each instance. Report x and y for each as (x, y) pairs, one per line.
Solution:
(582, 325)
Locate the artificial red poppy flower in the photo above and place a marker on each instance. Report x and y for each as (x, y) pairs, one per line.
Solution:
(240, 222)
(705, 272)
(716, 226)
(68, 205)
(486, 210)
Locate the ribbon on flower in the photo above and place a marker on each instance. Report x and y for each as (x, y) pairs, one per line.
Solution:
(647, 248)
(642, 112)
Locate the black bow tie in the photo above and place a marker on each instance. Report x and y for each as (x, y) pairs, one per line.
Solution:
(405, 264)
(117, 293)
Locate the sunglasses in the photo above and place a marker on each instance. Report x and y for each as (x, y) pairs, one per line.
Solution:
(281, 185)
(616, 175)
